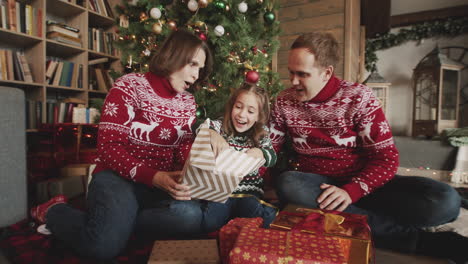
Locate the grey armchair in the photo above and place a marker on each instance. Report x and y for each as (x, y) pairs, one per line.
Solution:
(13, 185)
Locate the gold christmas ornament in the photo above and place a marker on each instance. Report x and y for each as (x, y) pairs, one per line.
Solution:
(143, 16)
(202, 3)
(172, 25)
(260, 1)
(228, 8)
(200, 24)
(157, 28)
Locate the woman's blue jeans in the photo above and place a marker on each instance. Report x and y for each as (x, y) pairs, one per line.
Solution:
(115, 209)
(395, 211)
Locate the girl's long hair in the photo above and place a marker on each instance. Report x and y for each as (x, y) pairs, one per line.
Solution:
(257, 131)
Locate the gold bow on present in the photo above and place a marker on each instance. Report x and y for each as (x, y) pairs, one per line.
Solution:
(331, 222)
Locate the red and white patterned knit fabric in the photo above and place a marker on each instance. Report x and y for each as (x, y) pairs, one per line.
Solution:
(342, 133)
(145, 127)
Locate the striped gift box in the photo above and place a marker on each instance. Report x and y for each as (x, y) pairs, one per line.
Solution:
(215, 178)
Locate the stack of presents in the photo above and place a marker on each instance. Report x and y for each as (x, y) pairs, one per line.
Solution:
(297, 235)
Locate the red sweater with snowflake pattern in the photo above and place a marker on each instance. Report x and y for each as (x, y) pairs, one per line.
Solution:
(145, 127)
(341, 133)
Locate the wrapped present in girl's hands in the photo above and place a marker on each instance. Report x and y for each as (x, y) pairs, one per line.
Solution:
(215, 178)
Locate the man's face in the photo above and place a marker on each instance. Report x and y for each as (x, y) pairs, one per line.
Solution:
(307, 79)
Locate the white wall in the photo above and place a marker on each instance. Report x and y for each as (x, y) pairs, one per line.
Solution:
(396, 64)
(399, 7)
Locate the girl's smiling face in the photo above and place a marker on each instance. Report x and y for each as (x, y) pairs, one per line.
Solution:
(244, 112)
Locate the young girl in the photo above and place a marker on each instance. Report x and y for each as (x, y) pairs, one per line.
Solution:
(243, 129)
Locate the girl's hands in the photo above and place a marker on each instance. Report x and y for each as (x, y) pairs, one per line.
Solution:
(255, 152)
(170, 181)
(218, 144)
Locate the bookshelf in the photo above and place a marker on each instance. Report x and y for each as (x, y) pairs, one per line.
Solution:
(33, 42)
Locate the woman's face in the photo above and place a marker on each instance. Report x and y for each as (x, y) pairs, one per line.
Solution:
(183, 78)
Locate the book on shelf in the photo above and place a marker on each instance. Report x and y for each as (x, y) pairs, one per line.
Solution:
(33, 113)
(97, 61)
(7, 66)
(27, 75)
(101, 81)
(18, 9)
(20, 17)
(3, 65)
(62, 25)
(3, 12)
(67, 70)
(17, 68)
(58, 74)
(79, 82)
(53, 34)
(66, 41)
(10, 65)
(55, 28)
(83, 115)
(39, 22)
(51, 66)
(12, 15)
(28, 19)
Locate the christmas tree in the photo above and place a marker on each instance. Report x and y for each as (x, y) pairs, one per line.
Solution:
(241, 33)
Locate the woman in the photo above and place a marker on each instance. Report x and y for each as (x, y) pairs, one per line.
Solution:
(144, 136)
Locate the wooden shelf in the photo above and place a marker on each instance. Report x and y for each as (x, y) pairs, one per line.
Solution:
(63, 8)
(58, 49)
(38, 50)
(98, 20)
(17, 39)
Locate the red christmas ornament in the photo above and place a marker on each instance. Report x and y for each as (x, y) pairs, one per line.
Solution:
(254, 49)
(202, 36)
(252, 77)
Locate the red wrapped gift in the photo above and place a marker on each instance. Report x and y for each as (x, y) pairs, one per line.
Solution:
(229, 233)
(258, 245)
(326, 223)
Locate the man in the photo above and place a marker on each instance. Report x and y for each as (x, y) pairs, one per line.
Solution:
(347, 160)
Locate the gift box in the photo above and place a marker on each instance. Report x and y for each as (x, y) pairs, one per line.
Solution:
(228, 235)
(257, 245)
(324, 223)
(185, 252)
(71, 187)
(215, 178)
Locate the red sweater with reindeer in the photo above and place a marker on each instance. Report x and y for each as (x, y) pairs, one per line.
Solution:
(341, 133)
(145, 127)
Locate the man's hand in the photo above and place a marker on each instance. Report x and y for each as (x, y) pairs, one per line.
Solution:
(333, 198)
(170, 181)
(255, 152)
(218, 144)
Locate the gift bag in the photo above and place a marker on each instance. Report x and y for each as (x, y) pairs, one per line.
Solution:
(215, 178)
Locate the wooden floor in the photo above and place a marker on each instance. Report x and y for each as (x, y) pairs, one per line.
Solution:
(388, 257)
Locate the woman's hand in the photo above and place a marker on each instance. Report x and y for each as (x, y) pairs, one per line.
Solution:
(218, 143)
(255, 152)
(333, 198)
(170, 181)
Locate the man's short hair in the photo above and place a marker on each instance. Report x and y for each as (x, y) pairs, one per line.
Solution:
(323, 45)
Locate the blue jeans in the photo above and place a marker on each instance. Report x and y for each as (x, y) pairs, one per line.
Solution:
(116, 208)
(395, 211)
(218, 214)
